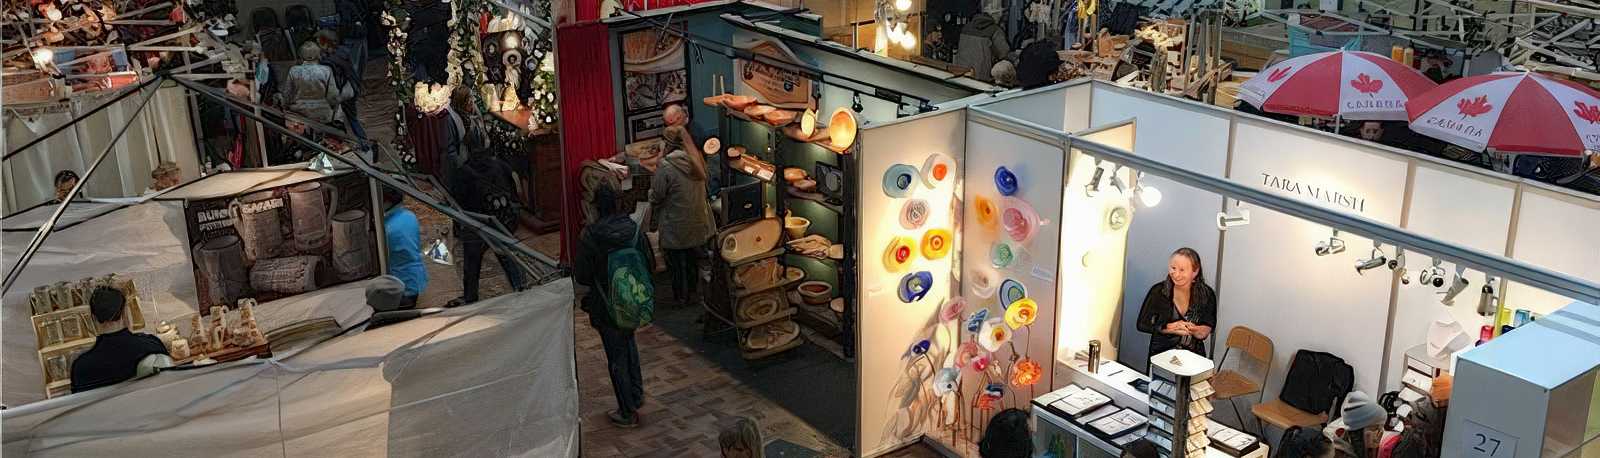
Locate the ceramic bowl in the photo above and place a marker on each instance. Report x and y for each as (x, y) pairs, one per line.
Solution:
(793, 174)
(806, 185)
(796, 226)
(842, 128)
(816, 292)
(738, 102)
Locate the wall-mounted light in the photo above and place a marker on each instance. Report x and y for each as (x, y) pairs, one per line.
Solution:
(1092, 188)
(1398, 265)
(1373, 261)
(1486, 297)
(1457, 286)
(1333, 245)
(1148, 196)
(1432, 276)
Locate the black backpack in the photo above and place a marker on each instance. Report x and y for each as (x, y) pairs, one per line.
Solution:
(1316, 381)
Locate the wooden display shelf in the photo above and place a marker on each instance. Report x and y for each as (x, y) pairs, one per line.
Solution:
(741, 292)
(230, 354)
(759, 354)
(784, 315)
(819, 137)
(814, 197)
(774, 252)
(816, 317)
(68, 344)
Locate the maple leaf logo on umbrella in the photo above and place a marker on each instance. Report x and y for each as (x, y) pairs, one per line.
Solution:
(1474, 107)
(1278, 74)
(1366, 85)
(1587, 112)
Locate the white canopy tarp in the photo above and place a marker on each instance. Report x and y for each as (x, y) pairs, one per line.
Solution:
(493, 379)
(147, 242)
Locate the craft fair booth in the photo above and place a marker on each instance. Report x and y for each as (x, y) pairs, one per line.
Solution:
(424, 387)
(294, 242)
(163, 131)
(1055, 247)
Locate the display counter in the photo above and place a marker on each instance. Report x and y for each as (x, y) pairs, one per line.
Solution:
(1115, 381)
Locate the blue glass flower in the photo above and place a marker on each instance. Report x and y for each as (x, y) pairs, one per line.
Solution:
(975, 322)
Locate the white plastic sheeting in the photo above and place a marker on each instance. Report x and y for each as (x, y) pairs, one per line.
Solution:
(147, 242)
(493, 379)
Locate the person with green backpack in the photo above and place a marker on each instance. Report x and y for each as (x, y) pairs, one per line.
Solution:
(612, 261)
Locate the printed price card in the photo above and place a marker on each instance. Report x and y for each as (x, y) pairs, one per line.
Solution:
(1479, 441)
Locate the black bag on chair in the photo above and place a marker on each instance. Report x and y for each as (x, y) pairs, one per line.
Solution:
(1316, 381)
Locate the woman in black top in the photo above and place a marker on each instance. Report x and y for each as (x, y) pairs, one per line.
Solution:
(1180, 311)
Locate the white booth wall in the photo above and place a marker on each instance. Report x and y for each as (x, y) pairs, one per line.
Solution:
(1369, 320)
(1038, 167)
(164, 132)
(1186, 137)
(887, 328)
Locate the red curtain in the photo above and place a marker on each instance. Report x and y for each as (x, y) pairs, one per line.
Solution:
(588, 120)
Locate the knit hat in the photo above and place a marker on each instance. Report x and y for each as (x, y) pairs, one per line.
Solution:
(385, 293)
(1360, 412)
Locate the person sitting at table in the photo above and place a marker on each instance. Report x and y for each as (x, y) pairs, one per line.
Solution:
(117, 352)
(1007, 436)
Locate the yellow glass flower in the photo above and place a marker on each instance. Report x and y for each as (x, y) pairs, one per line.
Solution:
(1021, 313)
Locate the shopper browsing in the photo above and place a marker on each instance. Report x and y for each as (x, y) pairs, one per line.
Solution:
(310, 89)
(484, 185)
(682, 211)
(117, 352)
(612, 232)
(1180, 311)
(403, 235)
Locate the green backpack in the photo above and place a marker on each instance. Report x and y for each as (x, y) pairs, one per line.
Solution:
(628, 293)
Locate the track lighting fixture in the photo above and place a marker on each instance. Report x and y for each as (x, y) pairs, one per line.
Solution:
(1092, 188)
(1487, 298)
(855, 102)
(1457, 286)
(1225, 220)
(1432, 276)
(1333, 245)
(1398, 265)
(1373, 261)
(1148, 195)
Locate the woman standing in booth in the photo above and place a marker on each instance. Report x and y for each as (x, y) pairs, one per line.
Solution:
(1180, 311)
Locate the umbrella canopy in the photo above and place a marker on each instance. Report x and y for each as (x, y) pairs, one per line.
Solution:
(1513, 112)
(1349, 84)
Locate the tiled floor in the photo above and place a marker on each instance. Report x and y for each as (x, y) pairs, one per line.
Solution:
(687, 397)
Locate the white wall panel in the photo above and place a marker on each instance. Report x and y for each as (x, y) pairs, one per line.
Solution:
(887, 327)
(1272, 282)
(1437, 211)
(1191, 138)
(1047, 108)
(1559, 233)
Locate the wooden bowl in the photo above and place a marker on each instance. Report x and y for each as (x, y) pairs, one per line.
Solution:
(758, 111)
(841, 128)
(792, 174)
(780, 118)
(715, 100)
(737, 102)
(815, 292)
(806, 185)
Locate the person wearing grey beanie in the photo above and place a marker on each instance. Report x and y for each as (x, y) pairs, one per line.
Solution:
(1359, 411)
(387, 293)
(1357, 431)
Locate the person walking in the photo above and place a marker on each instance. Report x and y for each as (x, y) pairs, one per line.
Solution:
(346, 79)
(353, 34)
(613, 231)
(309, 90)
(484, 185)
(682, 211)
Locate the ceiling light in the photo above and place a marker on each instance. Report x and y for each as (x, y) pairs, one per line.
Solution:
(1225, 221)
(1333, 245)
(902, 5)
(1148, 195)
(855, 103)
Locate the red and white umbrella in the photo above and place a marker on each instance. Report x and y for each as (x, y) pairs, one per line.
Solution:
(1512, 112)
(1348, 84)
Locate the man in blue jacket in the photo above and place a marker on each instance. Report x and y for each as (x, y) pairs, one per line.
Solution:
(404, 237)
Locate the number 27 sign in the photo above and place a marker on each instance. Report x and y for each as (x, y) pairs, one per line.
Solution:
(1479, 441)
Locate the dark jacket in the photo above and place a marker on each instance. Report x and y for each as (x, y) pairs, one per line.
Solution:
(982, 43)
(1158, 310)
(608, 234)
(352, 19)
(682, 208)
(485, 185)
(113, 359)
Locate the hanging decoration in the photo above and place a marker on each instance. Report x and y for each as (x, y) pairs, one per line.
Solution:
(1021, 313)
(1011, 291)
(915, 286)
(994, 334)
(1005, 181)
(1025, 373)
(984, 282)
(988, 212)
(898, 256)
(914, 213)
(894, 27)
(936, 243)
(898, 180)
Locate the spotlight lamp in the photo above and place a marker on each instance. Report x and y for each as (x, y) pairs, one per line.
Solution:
(1456, 287)
(855, 103)
(1488, 301)
(1398, 265)
(1225, 220)
(1092, 188)
(1432, 276)
(1373, 261)
(1148, 195)
(1333, 245)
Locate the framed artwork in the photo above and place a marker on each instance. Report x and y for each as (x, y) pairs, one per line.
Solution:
(655, 73)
